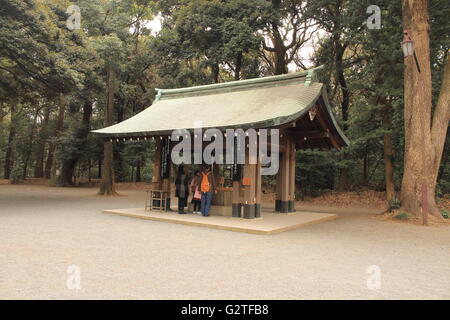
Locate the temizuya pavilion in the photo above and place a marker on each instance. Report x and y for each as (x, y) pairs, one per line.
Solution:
(294, 103)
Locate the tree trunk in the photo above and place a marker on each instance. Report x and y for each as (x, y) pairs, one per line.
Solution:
(49, 162)
(445, 158)
(107, 186)
(339, 55)
(89, 170)
(39, 167)
(50, 166)
(138, 170)
(341, 83)
(67, 172)
(388, 154)
(29, 147)
(424, 139)
(366, 165)
(215, 72)
(238, 67)
(279, 52)
(99, 175)
(9, 154)
(119, 162)
(69, 164)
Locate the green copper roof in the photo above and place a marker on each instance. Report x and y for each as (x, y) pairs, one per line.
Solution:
(257, 103)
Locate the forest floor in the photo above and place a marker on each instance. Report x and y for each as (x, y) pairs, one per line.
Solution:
(44, 230)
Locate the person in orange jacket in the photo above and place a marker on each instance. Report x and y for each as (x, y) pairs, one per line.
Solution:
(207, 188)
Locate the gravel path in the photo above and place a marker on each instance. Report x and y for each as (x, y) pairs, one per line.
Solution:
(45, 230)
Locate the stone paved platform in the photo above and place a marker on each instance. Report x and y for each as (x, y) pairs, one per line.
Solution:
(269, 223)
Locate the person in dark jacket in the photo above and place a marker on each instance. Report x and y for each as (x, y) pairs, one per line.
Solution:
(181, 189)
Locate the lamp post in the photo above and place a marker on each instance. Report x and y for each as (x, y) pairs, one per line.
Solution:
(408, 47)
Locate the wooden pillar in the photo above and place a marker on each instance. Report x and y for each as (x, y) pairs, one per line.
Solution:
(285, 176)
(249, 191)
(236, 205)
(156, 179)
(249, 185)
(219, 196)
(292, 163)
(166, 165)
(278, 187)
(281, 171)
(156, 173)
(258, 189)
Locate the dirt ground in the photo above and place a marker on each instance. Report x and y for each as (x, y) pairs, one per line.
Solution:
(46, 230)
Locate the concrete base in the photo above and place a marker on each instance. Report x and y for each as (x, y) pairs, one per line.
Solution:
(268, 223)
(284, 207)
(213, 210)
(277, 205)
(236, 210)
(249, 211)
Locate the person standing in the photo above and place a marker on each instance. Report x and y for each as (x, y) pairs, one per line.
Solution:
(196, 193)
(207, 187)
(181, 189)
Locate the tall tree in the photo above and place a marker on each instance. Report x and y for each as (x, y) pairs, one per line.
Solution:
(425, 130)
(288, 29)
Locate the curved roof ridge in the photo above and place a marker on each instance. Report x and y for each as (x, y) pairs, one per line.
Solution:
(236, 83)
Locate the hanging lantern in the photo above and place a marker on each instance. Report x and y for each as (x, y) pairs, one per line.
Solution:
(407, 45)
(408, 48)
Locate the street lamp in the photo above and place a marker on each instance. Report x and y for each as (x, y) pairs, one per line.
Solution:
(407, 44)
(408, 47)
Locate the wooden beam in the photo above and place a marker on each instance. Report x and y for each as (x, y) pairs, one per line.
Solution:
(309, 134)
(324, 126)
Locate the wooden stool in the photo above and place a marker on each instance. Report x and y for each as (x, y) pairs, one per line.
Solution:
(156, 200)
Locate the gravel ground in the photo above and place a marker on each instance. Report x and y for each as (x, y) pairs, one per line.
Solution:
(44, 230)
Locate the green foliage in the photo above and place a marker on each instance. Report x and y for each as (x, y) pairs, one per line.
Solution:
(315, 172)
(394, 204)
(402, 216)
(445, 213)
(16, 174)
